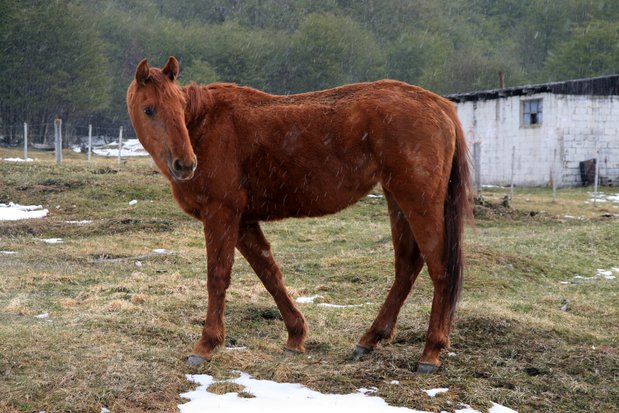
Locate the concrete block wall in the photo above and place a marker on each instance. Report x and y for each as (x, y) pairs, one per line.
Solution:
(574, 128)
(592, 135)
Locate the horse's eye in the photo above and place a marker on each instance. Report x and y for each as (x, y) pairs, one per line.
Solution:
(149, 111)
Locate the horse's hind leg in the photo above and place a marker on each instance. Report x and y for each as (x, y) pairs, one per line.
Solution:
(256, 249)
(408, 264)
(427, 223)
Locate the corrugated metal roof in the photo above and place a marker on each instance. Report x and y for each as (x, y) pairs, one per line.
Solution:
(594, 86)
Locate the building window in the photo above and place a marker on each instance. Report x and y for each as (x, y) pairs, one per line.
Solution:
(531, 112)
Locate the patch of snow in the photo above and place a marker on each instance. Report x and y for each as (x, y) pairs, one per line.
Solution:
(394, 382)
(573, 217)
(138, 263)
(105, 410)
(16, 212)
(307, 300)
(310, 300)
(451, 354)
(163, 251)
(375, 196)
(133, 202)
(236, 348)
(17, 159)
(273, 397)
(600, 274)
(497, 408)
(40, 316)
(51, 240)
(364, 390)
(434, 392)
(603, 197)
(130, 147)
(83, 222)
(8, 252)
(328, 305)
(607, 274)
(466, 409)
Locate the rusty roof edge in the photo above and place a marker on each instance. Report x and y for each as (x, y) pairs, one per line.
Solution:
(607, 85)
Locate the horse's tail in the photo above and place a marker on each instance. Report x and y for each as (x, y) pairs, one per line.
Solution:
(457, 210)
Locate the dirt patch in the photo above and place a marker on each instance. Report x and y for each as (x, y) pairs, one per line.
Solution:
(63, 229)
(104, 171)
(520, 355)
(483, 208)
(116, 226)
(487, 209)
(51, 185)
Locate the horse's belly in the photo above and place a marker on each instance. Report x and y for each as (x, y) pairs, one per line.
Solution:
(307, 198)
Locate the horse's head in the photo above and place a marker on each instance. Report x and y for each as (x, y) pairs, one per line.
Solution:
(156, 107)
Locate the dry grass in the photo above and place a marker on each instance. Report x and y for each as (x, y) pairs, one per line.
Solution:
(117, 332)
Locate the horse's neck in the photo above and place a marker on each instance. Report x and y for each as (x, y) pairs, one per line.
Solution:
(202, 100)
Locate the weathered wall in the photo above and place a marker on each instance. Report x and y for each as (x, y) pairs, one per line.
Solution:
(589, 124)
(573, 126)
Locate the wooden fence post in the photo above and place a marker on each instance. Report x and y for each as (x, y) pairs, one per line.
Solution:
(477, 165)
(553, 176)
(511, 179)
(120, 143)
(58, 139)
(597, 174)
(25, 141)
(89, 141)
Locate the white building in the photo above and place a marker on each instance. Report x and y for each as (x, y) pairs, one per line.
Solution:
(546, 129)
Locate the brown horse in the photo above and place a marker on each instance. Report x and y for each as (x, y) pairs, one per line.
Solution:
(236, 156)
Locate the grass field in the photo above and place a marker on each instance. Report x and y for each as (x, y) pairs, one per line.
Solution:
(121, 318)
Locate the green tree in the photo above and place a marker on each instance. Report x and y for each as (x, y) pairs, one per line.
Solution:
(330, 50)
(237, 53)
(470, 68)
(198, 71)
(76, 59)
(57, 66)
(415, 55)
(591, 50)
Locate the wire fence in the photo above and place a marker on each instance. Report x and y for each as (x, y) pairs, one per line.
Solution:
(82, 138)
(39, 133)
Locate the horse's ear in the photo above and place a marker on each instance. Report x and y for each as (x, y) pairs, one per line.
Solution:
(142, 73)
(171, 68)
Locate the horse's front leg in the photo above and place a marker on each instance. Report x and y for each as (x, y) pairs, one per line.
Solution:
(221, 234)
(257, 250)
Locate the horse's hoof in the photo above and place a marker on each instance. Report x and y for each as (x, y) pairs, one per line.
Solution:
(291, 352)
(194, 360)
(427, 368)
(359, 352)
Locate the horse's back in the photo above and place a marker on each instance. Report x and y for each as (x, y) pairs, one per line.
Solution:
(316, 153)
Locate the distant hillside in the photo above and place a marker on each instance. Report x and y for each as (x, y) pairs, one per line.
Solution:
(75, 59)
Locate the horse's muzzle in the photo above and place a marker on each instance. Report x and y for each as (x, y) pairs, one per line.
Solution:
(183, 171)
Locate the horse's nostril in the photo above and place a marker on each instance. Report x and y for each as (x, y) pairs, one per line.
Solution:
(178, 166)
(182, 170)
